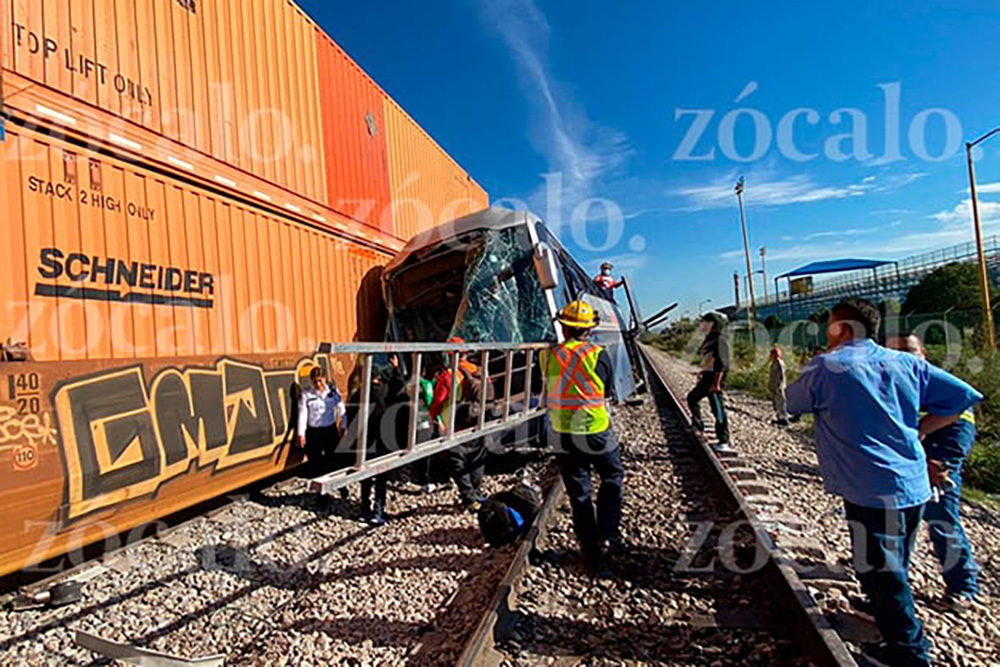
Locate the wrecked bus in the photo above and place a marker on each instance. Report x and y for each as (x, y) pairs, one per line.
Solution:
(498, 276)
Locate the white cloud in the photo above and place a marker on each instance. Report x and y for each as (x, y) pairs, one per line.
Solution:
(988, 188)
(988, 212)
(836, 233)
(798, 189)
(627, 263)
(580, 151)
(766, 188)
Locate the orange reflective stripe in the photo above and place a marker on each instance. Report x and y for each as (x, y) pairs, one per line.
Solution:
(574, 375)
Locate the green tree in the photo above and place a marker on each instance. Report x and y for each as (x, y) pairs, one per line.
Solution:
(952, 287)
(774, 322)
(821, 316)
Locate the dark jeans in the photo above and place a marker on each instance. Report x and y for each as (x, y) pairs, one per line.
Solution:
(951, 545)
(467, 466)
(704, 390)
(321, 449)
(882, 541)
(576, 460)
(381, 484)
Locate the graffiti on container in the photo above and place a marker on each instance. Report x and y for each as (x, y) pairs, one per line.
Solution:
(123, 438)
(32, 429)
(190, 5)
(39, 45)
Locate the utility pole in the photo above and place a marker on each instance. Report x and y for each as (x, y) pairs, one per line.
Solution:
(763, 271)
(984, 277)
(736, 286)
(752, 311)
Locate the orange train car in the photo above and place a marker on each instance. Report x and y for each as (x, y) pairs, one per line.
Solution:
(169, 272)
(169, 319)
(249, 95)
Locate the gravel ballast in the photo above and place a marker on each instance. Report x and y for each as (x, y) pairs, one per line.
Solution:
(284, 577)
(785, 459)
(663, 602)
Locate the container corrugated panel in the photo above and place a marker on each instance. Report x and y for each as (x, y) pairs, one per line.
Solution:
(428, 187)
(355, 139)
(253, 84)
(232, 79)
(104, 259)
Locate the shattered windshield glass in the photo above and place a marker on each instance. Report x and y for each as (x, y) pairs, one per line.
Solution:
(502, 299)
(482, 288)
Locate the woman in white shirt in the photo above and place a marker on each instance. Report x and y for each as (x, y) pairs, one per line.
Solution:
(321, 421)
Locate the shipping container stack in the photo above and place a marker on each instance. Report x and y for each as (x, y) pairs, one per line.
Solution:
(212, 178)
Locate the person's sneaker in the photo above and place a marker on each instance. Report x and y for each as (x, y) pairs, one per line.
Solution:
(376, 520)
(955, 604)
(429, 488)
(862, 608)
(615, 547)
(723, 448)
(879, 655)
(780, 422)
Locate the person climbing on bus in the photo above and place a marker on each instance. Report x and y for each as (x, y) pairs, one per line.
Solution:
(606, 283)
(466, 462)
(579, 382)
(320, 423)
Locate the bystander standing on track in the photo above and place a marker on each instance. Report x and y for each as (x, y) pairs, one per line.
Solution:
(777, 385)
(947, 449)
(320, 422)
(387, 425)
(466, 462)
(579, 382)
(867, 402)
(712, 379)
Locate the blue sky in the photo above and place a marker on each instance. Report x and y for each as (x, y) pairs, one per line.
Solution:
(555, 103)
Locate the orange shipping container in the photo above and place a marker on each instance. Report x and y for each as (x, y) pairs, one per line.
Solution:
(106, 259)
(253, 85)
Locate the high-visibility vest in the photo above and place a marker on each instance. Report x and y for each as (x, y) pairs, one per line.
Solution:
(967, 416)
(575, 392)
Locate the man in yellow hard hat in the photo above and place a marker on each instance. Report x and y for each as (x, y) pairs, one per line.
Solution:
(579, 381)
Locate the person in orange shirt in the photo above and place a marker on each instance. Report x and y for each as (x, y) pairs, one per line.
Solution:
(466, 462)
(606, 283)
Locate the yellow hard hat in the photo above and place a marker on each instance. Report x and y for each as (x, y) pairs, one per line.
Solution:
(579, 315)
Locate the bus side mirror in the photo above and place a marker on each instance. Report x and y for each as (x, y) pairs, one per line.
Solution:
(546, 266)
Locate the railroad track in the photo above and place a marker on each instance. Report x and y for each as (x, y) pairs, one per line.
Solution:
(283, 577)
(535, 607)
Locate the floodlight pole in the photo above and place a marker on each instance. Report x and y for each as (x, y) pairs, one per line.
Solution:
(752, 311)
(984, 278)
(763, 271)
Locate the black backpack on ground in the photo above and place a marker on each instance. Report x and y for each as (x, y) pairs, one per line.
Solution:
(508, 515)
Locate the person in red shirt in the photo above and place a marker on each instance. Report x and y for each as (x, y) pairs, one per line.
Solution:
(467, 462)
(606, 283)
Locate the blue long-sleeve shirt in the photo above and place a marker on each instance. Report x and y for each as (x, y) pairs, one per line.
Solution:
(867, 402)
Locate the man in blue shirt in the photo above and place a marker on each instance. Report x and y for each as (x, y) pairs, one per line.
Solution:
(867, 402)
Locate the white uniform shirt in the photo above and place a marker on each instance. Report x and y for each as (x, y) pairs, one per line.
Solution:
(320, 410)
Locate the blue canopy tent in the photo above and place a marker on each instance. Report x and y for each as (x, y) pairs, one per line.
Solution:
(830, 266)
